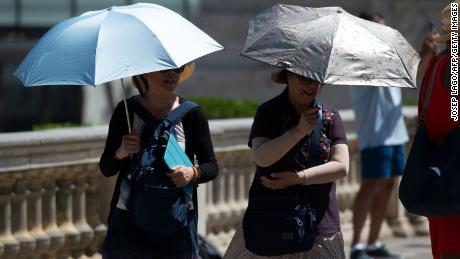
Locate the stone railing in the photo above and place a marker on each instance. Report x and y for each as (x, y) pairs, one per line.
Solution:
(54, 202)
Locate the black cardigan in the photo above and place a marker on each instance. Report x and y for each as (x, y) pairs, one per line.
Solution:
(197, 142)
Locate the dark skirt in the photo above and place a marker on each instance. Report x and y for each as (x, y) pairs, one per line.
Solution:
(126, 240)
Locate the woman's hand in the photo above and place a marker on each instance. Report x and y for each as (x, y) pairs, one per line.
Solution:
(430, 45)
(181, 175)
(130, 144)
(306, 123)
(283, 180)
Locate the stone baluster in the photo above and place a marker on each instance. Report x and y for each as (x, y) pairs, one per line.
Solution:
(34, 204)
(221, 190)
(245, 173)
(19, 216)
(65, 183)
(211, 206)
(92, 205)
(49, 219)
(234, 210)
(79, 212)
(9, 244)
(203, 208)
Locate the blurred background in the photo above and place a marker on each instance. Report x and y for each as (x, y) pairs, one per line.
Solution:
(224, 74)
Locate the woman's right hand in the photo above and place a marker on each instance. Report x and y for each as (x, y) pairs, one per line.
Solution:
(430, 45)
(306, 123)
(130, 144)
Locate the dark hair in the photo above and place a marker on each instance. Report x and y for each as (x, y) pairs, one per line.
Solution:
(371, 16)
(281, 77)
(140, 83)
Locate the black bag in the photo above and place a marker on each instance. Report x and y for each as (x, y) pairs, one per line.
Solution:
(279, 225)
(155, 203)
(430, 185)
(282, 221)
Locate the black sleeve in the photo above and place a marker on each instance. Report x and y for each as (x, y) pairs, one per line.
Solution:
(338, 135)
(203, 148)
(264, 125)
(117, 128)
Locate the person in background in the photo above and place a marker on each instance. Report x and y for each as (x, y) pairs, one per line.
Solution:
(381, 134)
(444, 231)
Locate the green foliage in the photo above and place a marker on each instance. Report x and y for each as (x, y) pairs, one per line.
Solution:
(222, 108)
(410, 102)
(46, 126)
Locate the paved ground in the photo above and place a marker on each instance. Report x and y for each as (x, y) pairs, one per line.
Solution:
(409, 248)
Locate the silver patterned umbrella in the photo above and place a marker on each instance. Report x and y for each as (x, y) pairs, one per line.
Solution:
(331, 46)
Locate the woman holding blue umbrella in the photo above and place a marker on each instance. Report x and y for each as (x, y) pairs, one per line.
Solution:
(127, 236)
(151, 44)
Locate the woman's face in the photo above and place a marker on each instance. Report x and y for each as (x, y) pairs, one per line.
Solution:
(302, 90)
(163, 81)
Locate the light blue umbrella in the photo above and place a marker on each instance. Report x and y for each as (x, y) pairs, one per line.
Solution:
(105, 45)
(114, 43)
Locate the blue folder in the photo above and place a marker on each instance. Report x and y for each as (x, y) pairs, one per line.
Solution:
(174, 155)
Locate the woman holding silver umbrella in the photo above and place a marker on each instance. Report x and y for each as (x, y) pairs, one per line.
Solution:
(299, 144)
(299, 147)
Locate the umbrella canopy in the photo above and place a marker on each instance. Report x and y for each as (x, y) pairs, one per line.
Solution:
(101, 46)
(331, 46)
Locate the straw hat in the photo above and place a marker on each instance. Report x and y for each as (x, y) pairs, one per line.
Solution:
(188, 71)
(445, 20)
(184, 75)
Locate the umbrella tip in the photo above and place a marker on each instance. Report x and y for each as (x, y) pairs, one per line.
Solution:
(283, 64)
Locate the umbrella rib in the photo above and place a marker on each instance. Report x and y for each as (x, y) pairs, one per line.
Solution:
(332, 47)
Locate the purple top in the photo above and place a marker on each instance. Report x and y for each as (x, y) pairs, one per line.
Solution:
(273, 119)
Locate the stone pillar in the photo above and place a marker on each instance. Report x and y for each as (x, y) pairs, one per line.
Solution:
(202, 208)
(34, 204)
(65, 183)
(79, 211)
(19, 216)
(49, 220)
(9, 245)
(93, 203)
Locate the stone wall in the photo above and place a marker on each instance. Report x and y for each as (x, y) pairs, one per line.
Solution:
(54, 202)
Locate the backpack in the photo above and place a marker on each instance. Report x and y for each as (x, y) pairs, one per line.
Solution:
(155, 203)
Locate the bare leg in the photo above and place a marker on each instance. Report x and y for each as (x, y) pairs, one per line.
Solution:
(361, 206)
(379, 206)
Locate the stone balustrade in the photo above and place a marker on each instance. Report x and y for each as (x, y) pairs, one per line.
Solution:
(54, 202)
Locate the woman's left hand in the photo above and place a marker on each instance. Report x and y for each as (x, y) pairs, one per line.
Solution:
(283, 180)
(181, 175)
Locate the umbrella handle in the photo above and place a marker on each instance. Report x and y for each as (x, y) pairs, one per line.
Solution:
(126, 106)
(317, 93)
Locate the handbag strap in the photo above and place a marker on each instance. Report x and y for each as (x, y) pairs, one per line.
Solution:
(429, 90)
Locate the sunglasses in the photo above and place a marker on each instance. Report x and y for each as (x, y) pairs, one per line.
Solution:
(176, 70)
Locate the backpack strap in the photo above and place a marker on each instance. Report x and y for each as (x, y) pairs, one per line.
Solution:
(429, 90)
(176, 115)
(315, 137)
(167, 123)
